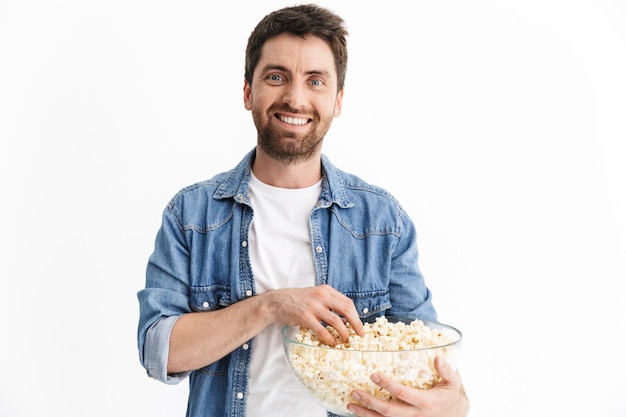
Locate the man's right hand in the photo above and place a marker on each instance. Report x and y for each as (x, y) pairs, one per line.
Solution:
(200, 338)
(314, 308)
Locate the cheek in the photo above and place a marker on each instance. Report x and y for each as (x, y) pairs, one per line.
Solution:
(258, 100)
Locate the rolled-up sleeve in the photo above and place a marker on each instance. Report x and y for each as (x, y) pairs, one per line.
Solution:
(156, 350)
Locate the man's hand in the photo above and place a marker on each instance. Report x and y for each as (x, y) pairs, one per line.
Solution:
(201, 338)
(446, 399)
(311, 307)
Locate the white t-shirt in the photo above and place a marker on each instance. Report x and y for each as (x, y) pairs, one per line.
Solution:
(281, 257)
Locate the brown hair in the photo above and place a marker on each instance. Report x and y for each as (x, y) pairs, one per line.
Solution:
(303, 20)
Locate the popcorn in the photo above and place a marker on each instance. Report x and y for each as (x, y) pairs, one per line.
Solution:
(403, 352)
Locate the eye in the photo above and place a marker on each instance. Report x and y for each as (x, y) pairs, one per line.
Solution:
(274, 78)
(316, 82)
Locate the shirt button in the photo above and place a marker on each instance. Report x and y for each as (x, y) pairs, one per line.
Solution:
(365, 310)
(244, 244)
(205, 304)
(245, 346)
(249, 293)
(240, 395)
(319, 249)
(239, 197)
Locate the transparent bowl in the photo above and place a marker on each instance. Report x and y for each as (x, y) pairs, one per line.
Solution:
(330, 374)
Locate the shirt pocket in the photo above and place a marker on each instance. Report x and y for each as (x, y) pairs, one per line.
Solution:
(209, 297)
(371, 303)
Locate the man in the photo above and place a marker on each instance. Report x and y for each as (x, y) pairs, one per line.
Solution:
(284, 238)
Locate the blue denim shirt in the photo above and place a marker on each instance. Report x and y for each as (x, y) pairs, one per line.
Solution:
(362, 241)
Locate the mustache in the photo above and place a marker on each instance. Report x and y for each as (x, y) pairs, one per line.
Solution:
(286, 108)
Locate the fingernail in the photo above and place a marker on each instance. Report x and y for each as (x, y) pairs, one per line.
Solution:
(375, 378)
(356, 396)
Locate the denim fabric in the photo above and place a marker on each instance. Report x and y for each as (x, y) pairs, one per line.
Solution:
(363, 244)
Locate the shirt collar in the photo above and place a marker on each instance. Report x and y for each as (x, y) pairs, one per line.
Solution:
(236, 183)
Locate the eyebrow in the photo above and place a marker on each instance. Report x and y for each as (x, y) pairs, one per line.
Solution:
(281, 68)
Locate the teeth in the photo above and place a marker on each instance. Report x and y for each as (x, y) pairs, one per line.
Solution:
(293, 120)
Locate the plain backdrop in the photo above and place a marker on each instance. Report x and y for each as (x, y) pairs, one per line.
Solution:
(499, 125)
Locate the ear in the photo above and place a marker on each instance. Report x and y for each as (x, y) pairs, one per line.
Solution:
(247, 95)
(338, 102)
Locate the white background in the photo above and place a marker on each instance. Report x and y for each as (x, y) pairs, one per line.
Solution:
(499, 125)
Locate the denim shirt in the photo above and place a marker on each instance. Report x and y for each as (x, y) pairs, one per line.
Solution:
(362, 241)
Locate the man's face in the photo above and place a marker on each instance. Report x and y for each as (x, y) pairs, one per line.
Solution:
(293, 96)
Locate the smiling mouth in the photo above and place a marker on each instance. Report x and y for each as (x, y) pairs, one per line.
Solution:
(294, 121)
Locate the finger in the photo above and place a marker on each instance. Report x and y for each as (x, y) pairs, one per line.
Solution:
(347, 309)
(343, 310)
(317, 320)
(353, 318)
(445, 371)
(369, 405)
(360, 410)
(339, 324)
(331, 319)
(322, 333)
(396, 389)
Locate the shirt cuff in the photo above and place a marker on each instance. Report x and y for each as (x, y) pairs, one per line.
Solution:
(156, 351)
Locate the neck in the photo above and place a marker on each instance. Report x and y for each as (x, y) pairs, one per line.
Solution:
(286, 175)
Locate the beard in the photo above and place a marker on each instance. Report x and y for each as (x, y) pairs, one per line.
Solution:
(289, 147)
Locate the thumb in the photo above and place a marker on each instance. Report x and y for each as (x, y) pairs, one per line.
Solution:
(444, 369)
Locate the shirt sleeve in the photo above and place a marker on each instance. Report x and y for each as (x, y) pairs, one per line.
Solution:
(164, 298)
(156, 350)
(410, 297)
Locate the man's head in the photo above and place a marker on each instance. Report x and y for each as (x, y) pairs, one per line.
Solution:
(303, 21)
(295, 66)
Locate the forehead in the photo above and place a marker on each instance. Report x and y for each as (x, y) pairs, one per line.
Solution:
(296, 53)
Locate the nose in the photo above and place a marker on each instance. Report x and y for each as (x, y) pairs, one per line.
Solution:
(295, 95)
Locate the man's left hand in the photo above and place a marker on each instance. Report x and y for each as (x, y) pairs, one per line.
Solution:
(446, 399)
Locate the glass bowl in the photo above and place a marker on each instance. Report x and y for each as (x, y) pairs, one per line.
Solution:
(401, 348)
